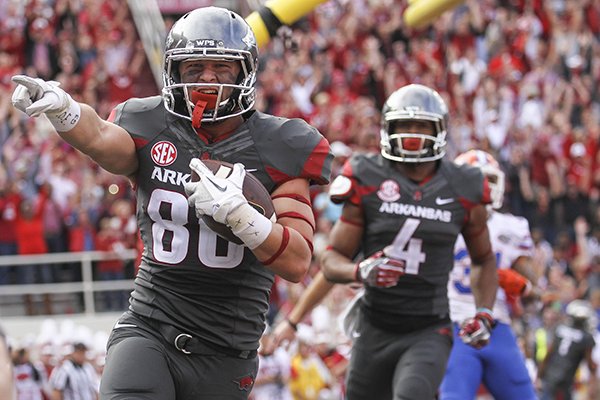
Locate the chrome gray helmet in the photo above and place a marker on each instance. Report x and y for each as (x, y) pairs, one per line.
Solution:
(414, 102)
(210, 33)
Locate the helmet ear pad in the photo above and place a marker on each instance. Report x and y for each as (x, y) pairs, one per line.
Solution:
(176, 94)
(179, 99)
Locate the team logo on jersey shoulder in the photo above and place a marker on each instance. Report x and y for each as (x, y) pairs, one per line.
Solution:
(163, 153)
(389, 191)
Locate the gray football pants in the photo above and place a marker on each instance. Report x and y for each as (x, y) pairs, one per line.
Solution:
(140, 364)
(391, 366)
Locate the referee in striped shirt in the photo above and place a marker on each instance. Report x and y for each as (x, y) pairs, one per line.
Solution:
(75, 378)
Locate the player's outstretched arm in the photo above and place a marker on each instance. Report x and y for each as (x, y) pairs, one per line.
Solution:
(107, 144)
(78, 124)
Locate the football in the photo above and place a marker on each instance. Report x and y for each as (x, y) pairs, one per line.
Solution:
(254, 191)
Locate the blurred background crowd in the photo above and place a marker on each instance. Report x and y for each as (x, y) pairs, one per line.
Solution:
(521, 78)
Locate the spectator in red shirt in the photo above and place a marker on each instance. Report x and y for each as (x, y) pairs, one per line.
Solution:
(542, 160)
(110, 238)
(30, 237)
(9, 203)
(579, 166)
(31, 240)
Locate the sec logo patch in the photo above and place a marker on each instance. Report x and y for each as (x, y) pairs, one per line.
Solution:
(389, 191)
(164, 153)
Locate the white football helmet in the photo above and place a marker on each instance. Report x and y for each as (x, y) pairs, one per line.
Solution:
(490, 168)
(582, 314)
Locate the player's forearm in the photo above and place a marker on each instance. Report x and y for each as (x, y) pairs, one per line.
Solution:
(313, 295)
(286, 254)
(524, 266)
(337, 268)
(484, 282)
(107, 144)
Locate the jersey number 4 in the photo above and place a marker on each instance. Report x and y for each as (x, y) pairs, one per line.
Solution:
(408, 248)
(178, 244)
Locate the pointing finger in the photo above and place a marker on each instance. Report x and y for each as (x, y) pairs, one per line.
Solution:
(31, 84)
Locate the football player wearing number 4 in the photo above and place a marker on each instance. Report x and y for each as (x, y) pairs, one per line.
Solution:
(404, 210)
(500, 366)
(199, 304)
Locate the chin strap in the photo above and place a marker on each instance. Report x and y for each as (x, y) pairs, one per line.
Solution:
(202, 101)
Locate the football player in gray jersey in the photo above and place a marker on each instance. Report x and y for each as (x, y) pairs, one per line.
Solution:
(199, 304)
(572, 344)
(403, 209)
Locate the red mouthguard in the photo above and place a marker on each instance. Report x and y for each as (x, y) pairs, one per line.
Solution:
(202, 101)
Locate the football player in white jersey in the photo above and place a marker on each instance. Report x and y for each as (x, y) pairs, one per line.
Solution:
(500, 366)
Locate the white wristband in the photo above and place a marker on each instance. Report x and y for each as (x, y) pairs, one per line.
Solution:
(66, 120)
(249, 225)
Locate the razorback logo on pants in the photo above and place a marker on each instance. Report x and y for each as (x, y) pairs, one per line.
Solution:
(245, 383)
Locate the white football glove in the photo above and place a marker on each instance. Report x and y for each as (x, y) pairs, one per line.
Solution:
(379, 270)
(213, 196)
(35, 96)
(224, 201)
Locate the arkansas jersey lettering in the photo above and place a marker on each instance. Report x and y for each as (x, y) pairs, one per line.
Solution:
(416, 211)
(168, 176)
(164, 153)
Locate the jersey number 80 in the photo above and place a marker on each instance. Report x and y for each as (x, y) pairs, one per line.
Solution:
(179, 243)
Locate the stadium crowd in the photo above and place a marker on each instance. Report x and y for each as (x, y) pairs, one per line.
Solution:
(520, 77)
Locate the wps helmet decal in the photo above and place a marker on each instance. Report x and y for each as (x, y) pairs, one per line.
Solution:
(389, 191)
(163, 153)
